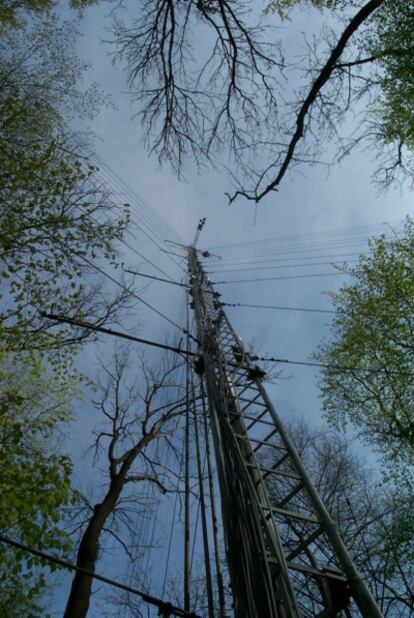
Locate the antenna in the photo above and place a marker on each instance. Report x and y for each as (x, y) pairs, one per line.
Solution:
(199, 228)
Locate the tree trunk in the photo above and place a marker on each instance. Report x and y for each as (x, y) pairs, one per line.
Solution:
(78, 602)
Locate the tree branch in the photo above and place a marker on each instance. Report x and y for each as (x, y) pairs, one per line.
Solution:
(319, 83)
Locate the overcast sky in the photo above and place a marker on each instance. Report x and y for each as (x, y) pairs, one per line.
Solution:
(310, 202)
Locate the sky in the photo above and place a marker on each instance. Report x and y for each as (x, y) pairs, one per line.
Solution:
(311, 201)
(311, 206)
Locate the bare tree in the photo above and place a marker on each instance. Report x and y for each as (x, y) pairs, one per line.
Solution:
(134, 416)
(211, 83)
(194, 102)
(314, 108)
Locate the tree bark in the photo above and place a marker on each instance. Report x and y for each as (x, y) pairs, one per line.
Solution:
(78, 601)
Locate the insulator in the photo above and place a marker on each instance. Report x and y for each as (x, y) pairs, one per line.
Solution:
(256, 373)
(199, 365)
(238, 357)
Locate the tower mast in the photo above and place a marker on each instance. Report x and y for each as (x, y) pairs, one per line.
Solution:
(285, 557)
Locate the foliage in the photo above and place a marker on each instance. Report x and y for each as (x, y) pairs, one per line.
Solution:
(56, 217)
(41, 69)
(383, 65)
(11, 12)
(55, 213)
(49, 232)
(16, 14)
(34, 476)
(392, 42)
(372, 336)
(282, 7)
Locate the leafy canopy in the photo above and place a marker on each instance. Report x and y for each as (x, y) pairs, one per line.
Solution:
(34, 475)
(392, 41)
(387, 42)
(372, 331)
(282, 7)
(15, 14)
(55, 214)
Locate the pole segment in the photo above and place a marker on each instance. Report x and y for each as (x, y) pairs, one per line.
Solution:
(187, 482)
(214, 520)
(206, 548)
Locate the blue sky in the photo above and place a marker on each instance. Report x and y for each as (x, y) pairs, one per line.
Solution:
(309, 202)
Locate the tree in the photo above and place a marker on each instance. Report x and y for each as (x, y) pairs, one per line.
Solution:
(34, 475)
(40, 77)
(198, 101)
(16, 14)
(230, 100)
(56, 214)
(283, 7)
(393, 44)
(56, 217)
(134, 416)
(372, 337)
(375, 520)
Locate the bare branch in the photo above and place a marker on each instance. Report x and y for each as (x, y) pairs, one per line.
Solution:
(323, 77)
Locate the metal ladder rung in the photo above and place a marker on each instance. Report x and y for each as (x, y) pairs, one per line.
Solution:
(262, 469)
(251, 402)
(257, 403)
(273, 469)
(251, 418)
(268, 471)
(259, 442)
(304, 568)
(295, 515)
(287, 475)
(257, 419)
(244, 389)
(266, 438)
(290, 495)
(328, 573)
(304, 544)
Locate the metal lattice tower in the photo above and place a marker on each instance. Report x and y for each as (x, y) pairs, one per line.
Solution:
(286, 558)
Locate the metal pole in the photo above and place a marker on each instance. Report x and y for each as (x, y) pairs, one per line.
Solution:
(214, 521)
(203, 509)
(187, 483)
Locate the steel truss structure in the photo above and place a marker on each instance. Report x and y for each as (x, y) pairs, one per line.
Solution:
(285, 556)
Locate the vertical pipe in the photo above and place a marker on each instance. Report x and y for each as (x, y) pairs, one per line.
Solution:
(209, 585)
(214, 521)
(187, 480)
(254, 596)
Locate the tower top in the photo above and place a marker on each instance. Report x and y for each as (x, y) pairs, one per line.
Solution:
(199, 228)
